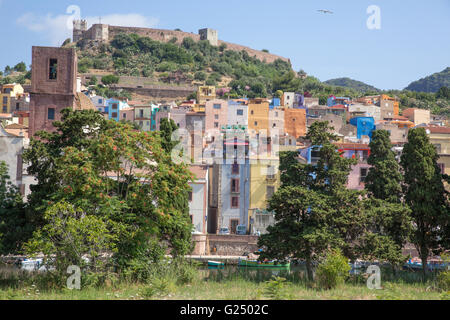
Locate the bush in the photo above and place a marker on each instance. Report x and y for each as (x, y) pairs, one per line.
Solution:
(200, 75)
(275, 289)
(333, 270)
(110, 79)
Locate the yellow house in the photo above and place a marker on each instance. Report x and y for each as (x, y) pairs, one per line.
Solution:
(258, 116)
(440, 138)
(9, 91)
(206, 93)
(264, 182)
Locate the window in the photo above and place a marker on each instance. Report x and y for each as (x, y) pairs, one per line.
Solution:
(216, 106)
(4, 109)
(362, 174)
(216, 117)
(438, 148)
(124, 115)
(141, 113)
(269, 192)
(240, 112)
(216, 124)
(53, 69)
(51, 114)
(234, 185)
(235, 169)
(17, 105)
(190, 196)
(100, 101)
(234, 202)
(114, 115)
(141, 123)
(5, 100)
(114, 106)
(99, 109)
(276, 113)
(256, 123)
(442, 167)
(252, 112)
(270, 172)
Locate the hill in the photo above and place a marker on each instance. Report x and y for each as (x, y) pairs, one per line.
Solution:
(187, 63)
(432, 83)
(354, 84)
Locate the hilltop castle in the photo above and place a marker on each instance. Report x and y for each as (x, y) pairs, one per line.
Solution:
(104, 33)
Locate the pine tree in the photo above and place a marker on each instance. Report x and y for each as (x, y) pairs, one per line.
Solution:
(425, 194)
(384, 178)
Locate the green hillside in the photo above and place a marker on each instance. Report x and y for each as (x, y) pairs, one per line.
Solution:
(354, 84)
(431, 83)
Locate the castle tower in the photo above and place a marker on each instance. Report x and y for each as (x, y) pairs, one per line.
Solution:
(53, 87)
(209, 34)
(79, 27)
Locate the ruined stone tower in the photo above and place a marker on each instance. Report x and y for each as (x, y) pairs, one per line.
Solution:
(210, 35)
(53, 87)
(79, 28)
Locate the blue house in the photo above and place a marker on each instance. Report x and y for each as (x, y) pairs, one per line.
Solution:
(113, 108)
(364, 126)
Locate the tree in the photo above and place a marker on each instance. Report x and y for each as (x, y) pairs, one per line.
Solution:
(384, 178)
(20, 67)
(166, 128)
(313, 210)
(300, 230)
(124, 177)
(389, 218)
(14, 226)
(110, 79)
(93, 81)
(424, 193)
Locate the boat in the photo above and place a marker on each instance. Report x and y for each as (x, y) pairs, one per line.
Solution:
(215, 264)
(265, 264)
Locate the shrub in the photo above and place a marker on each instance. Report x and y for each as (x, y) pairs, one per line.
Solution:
(200, 75)
(275, 288)
(110, 79)
(333, 270)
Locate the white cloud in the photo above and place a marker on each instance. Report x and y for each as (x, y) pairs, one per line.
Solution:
(58, 28)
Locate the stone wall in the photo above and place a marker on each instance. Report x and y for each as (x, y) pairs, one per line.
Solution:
(158, 91)
(231, 245)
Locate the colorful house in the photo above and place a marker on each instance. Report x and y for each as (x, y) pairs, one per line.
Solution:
(198, 198)
(361, 152)
(258, 116)
(295, 122)
(8, 92)
(114, 106)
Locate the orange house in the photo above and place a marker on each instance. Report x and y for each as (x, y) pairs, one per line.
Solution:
(258, 115)
(295, 122)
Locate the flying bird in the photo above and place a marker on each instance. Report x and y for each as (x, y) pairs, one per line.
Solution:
(325, 11)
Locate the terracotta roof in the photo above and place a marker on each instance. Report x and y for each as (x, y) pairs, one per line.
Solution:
(338, 106)
(16, 126)
(352, 146)
(199, 171)
(438, 129)
(82, 102)
(400, 118)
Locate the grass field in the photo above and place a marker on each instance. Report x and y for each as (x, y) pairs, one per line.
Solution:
(222, 286)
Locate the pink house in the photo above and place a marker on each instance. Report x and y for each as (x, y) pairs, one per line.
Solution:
(216, 114)
(359, 171)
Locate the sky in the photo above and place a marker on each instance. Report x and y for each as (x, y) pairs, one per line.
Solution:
(410, 39)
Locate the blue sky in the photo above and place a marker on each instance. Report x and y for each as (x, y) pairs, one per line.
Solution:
(413, 40)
